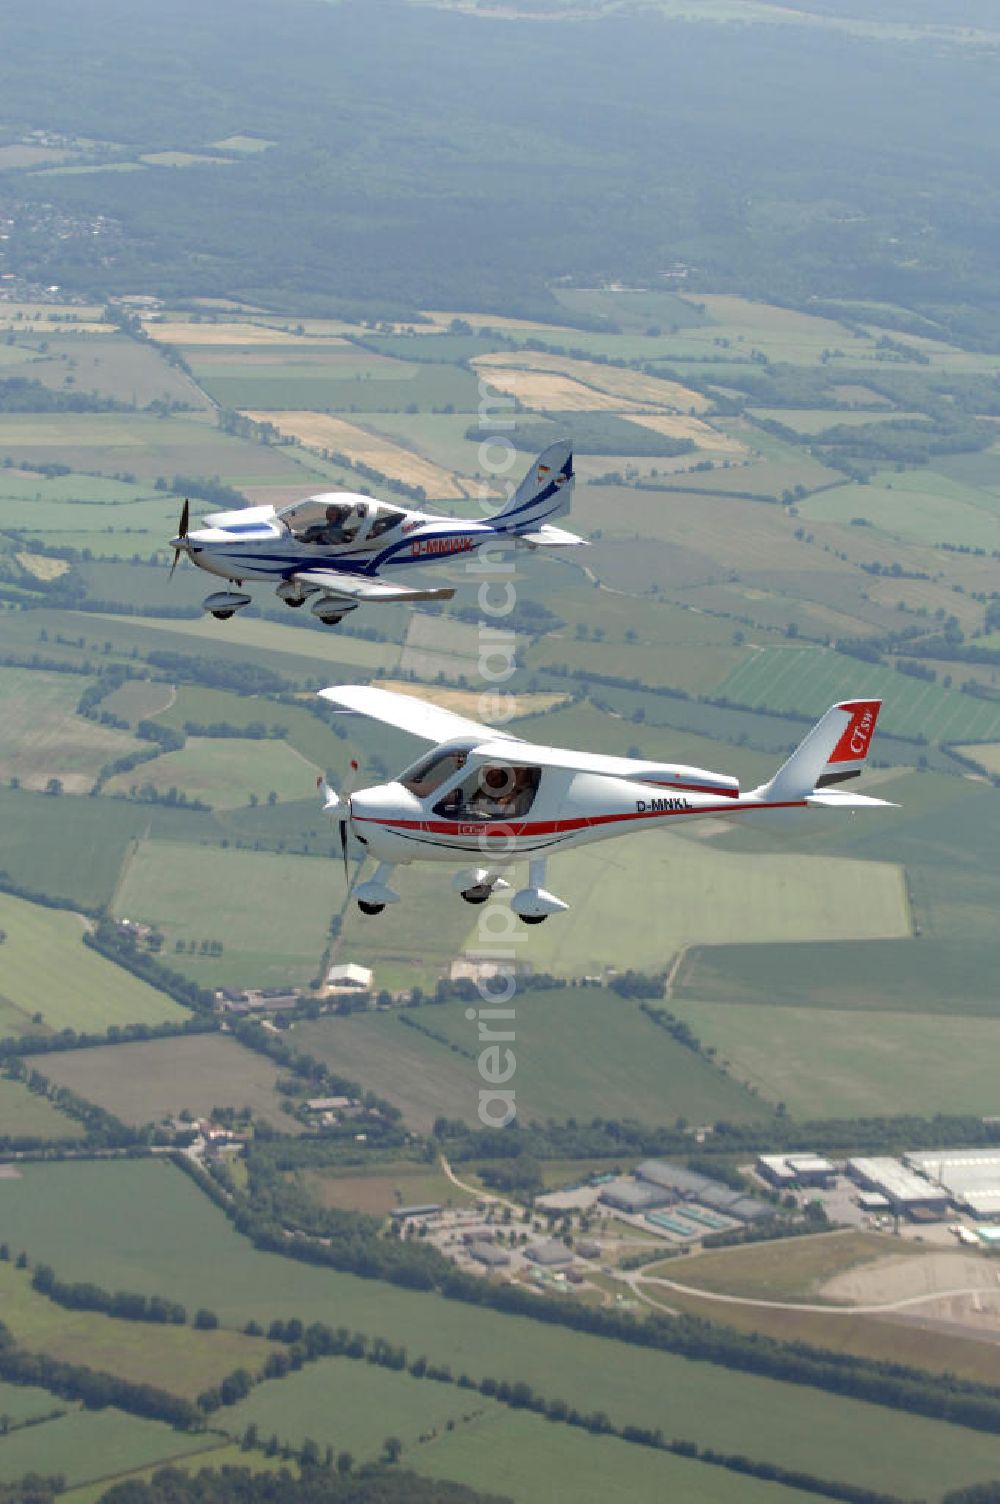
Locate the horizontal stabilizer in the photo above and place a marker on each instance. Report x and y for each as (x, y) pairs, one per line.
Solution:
(830, 799)
(548, 536)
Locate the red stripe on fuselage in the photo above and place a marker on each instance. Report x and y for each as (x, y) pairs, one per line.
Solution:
(505, 829)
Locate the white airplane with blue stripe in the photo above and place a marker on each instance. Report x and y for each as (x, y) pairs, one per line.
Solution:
(341, 549)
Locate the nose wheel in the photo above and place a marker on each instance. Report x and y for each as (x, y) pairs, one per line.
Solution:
(370, 908)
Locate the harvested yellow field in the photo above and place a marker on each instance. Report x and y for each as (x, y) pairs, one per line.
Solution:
(987, 754)
(323, 432)
(550, 392)
(244, 333)
(42, 567)
(654, 391)
(470, 702)
(676, 426)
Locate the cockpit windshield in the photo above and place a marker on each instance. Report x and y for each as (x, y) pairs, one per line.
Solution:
(494, 791)
(431, 772)
(327, 519)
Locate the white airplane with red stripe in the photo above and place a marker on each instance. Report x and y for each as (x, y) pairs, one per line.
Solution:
(485, 794)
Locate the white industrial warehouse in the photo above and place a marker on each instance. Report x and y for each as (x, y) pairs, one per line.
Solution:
(970, 1177)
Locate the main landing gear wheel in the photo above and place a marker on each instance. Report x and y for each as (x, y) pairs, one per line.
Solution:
(295, 604)
(532, 918)
(370, 908)
(223, 615)
(479, 894)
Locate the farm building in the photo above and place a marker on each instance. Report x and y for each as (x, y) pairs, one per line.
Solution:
(970, 1176)
(688, 1185)
(904, 1189)
(256, 1000)
(630, 1196)
(401, 1213)
(784, 1171)
(489, 1255)
(349, 978)
(549, 1255)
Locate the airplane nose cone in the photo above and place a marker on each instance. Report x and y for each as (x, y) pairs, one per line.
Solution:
(387, 801)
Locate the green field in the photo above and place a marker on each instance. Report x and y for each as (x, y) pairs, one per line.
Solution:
(640, 899)
(413, 1072)
(169, 1239)
(795, 1270)
(179, 1359)
(934, 976)
(923, 506)
(528, 1459)
(139, 699)
(250, 634)
(42, 737)
(451, 1433)
(354, 1404)
(24, 1113)
(386, 1186)
(140, 445)
(22, 1402)
(270, 912)
(111, 365)
(146, 1082)
(573, 1049)
(47, 971)
(79, 859)
(826, 1063)
(222, 1455)
(308, 735)
(429, 387)
(811, 421)
(86, 1445)
(809, 680)
(224, 774)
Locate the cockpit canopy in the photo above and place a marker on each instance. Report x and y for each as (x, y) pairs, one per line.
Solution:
(493, 790)
(339, 517)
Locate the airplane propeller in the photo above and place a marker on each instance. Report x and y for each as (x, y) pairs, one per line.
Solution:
(182, 533)
(334, 801)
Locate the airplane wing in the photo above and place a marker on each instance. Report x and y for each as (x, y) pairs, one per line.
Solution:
(362, 587)
(419, 717)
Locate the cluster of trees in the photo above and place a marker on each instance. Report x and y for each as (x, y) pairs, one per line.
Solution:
(94, 1389)
(316, 1485)
(125, 1304)
(123, 948)
(676, 1028)
(207, 487)
(21, 394)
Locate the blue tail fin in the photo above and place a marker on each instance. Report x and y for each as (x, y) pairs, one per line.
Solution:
(545, 492)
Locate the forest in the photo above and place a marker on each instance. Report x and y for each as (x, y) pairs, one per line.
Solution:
(624, 164)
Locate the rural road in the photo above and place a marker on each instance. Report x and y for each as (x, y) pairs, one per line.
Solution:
(793, 1305)
(477, 1191)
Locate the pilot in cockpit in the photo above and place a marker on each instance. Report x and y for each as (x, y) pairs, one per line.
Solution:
(341, 525)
